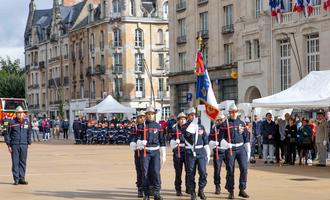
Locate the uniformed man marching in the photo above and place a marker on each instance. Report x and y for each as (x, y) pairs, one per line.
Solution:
(137, 153)
(197, 154)
(151, 140)
(238, 140)
(18, 138)
(177, 144)
(218, 152)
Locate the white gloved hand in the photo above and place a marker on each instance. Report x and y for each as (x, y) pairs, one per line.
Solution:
(163, 150)
(225, 145)
(213, 144)
(247, 147)
(208, 153)
(177, 141)
(139, 144)
(324, 143)
(173, 144)
(132, 146)
(144, 142)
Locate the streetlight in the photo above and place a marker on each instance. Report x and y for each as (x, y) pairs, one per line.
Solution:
(153, 99)
(296, 57)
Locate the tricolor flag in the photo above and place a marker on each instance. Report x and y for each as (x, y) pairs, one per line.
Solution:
(308, 7)
(200, 67)
(298, 6)
(273, 5)
(204, 92)
(326, 4)
(279, 11)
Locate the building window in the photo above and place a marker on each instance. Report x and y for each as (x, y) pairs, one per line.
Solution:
(101, 40)
(131, 8)
(165, 10)
(139, 38)
(256, 47)
(102, 60)
(139, 63)
(313, 53)
(182, 27)
(92, 43)
(160, 85)
(258, 7)
(161, 61)
(248, 50)
(167, 85)
(288, 5)
(165, 112)
(203, 17)
(116, 8)
(119, 86)
(93, 90)
(228, 90)
(285, 64)
(228, 53)
(183, 103)
(117, 38)
(117, 59)
(139, 87)
(317, 2)
(228, 15)
(182, 61)
(160, 39)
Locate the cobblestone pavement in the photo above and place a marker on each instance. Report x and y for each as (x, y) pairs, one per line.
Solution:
(59, 170)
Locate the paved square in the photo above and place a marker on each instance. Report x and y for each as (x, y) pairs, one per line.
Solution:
(65, 171)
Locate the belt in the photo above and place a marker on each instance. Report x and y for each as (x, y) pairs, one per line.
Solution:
(182, 145)
(237, 145)
(152, 148)
(196, 147)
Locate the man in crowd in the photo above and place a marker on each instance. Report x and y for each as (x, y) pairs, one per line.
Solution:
(321, 138)
(282, 126)
(77, 130)
(268, 135)
(177, 144)
(151, 140)
(256, 138)
(17, 139)
(197, 154)
(218, 153)
(236, 136)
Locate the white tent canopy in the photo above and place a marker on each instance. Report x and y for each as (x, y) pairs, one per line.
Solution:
(109, 105)
(313, 91)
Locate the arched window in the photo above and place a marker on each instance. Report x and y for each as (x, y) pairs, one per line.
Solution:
(101, 40)
(92, 43)
(132, 8)
(139, 41)
(165, 10)
(160, 38)
(116, 38)
(116, 8)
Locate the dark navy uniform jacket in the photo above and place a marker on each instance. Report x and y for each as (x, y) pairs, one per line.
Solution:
(133, 136)
(154, 132)
(18, 133)
(173, 133)
(202, 140)
(216, 130)
(238, 132)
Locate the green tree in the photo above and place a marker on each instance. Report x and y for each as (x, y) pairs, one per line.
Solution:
(12, 80)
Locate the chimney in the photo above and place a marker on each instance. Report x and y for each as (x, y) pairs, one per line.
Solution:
(70, 2)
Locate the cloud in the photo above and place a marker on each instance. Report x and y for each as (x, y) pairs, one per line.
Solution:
(13, 19)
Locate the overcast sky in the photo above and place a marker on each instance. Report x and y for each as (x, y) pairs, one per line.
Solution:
(13, 16)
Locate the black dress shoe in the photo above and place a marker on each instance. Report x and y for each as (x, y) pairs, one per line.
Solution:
(187, 191)
(243, 194)
(23, 182)
(140, 193)
(320, 165)
(265, 162)
(158, 197)
(231, 195)
(201, 194)
(192, 195)
(217, 189)
(178, 193)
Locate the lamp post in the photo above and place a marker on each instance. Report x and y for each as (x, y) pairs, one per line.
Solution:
(295, 53)
(153, 99)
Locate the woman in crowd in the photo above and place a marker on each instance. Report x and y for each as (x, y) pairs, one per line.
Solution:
(305, 142)
(291, 140)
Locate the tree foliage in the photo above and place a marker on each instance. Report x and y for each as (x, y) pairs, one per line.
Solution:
(12, 80)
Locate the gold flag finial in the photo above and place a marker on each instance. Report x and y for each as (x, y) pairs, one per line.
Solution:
(200, 41)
